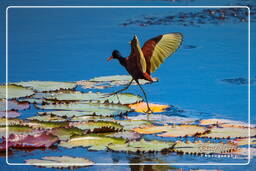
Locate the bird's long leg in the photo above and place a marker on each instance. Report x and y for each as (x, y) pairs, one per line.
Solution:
(125, 88)
(145, 95)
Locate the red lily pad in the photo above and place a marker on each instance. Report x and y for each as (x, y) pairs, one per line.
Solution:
(11, 114)
(41, 140)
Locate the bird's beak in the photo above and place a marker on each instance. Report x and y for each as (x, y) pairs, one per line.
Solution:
(111, 57)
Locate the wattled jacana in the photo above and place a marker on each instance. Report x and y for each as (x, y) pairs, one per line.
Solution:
(143, 61)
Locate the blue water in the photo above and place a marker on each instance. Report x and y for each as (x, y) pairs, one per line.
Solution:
(73, 44)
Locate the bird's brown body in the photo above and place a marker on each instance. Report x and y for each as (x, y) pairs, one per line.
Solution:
(143, 61)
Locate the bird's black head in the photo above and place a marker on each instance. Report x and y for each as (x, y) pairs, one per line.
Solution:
(115, 55)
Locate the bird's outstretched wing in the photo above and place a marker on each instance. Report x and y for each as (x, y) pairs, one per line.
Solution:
(137, 57)
(157, 49)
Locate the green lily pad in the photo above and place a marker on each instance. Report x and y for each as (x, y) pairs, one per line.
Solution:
(17, 130)
(163, 119)
(45, 125)
(65, 133)
(109, 81)
(81, 109)
(100, 126)
(92, 118)
(128, 135)
(14, 92)
(142, 146)
(32, 100)
(122, 98)
(229, 132)
(11, 121)
(43, 86)
(199, 147)
(173, 130)
(131, 124)
(60, 162)
(94, 142)
(47, 118)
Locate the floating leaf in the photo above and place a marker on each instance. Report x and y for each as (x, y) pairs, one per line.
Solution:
(94, 142)
(42, 86)
(100, 126)
(81, 109)
(244, 141)
(142, 146)
(17, 130)
(110, 81)
(11, 114)
(128, 135)
(142, 107)
(92, 118)
(45, 125)
(65, 133)
(173, 130)
(122, 98)
(224, 123)
(47, 118)
(14, 92)
(229, 132)
(13, 105)
(199, 147)
(163, 119)
(39, 140)
(32, 100)
(11, 121)
(60, 162)
(131, 124)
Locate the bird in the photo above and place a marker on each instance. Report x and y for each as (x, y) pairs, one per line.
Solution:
(143, 61)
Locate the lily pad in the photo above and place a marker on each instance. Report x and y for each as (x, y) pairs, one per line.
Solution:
(43, 86)
(244, 141)
(17, 130)
(11, 114)
(92, 118)
(13, 105)
(128, 135)
(122, 98)
(45, 125)
(14, 92)
(199, 147)
(131, 124)
(32, 100)
(99, 126)
(60, 162)
(65, 133)
(47, 118)
(173, 130)
(40, 140)
(142, 146)
(94, 142)
(11, 121)
(224, 123)
(109, 81)
(229, 132)
(142, 107)
(81, 109)
(163, 119)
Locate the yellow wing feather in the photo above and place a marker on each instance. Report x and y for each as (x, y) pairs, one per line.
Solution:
(168, 44)
(141, 55)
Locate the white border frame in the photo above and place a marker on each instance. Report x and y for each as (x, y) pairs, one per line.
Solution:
(204, 164)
